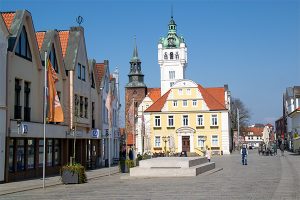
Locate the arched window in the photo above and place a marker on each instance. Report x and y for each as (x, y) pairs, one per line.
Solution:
(177, 55)
(166, 56)
(171, 56)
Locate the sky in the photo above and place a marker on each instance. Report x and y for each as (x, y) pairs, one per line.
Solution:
(251, 45)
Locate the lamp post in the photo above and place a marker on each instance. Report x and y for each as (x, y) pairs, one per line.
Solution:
(165, 140)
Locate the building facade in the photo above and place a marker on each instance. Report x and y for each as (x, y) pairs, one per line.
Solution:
(4, 34)
(181, 115)
(80, 137)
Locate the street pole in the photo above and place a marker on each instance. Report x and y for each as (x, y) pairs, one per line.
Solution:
(44, 124)
(238, 126)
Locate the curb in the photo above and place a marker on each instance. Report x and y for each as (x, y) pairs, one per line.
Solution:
(34, 187)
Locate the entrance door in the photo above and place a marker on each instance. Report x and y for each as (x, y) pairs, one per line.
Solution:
(186, 143)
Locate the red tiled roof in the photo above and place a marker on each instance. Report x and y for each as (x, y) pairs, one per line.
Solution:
(213, 97)
(64, 38)
(99, 72)
(257, 131)
(154, 94)
(40, 38)
(8, 18)
(159, 104)
(269, 125)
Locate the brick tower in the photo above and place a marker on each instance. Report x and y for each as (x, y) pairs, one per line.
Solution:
(135, 92)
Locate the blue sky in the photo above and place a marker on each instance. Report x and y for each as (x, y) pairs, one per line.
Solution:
(253, 46)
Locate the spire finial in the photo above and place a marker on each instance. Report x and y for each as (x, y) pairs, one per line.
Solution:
(135, 52)
(172, 11)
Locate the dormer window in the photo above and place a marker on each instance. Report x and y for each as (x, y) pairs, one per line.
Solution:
(23, 48)
(52, 57)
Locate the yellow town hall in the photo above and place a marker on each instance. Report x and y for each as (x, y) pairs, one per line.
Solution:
(181, 115)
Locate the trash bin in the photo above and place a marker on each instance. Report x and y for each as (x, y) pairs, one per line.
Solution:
(106, 162)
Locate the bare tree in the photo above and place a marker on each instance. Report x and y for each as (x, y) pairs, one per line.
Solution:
(244, 113)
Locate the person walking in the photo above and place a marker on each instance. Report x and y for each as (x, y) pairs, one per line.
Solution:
(282, 149)
(244, 153)
(208, 154)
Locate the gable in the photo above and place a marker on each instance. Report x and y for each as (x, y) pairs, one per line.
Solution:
(8, 18)
(21, 22)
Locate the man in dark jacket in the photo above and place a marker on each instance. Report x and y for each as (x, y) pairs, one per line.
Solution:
(244, 153)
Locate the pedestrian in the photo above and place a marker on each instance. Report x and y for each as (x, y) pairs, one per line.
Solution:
(282, 149)
(208, 154)
(275, 148)
(244, 153)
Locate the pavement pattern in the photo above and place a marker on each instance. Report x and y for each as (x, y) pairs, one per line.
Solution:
(265, 177)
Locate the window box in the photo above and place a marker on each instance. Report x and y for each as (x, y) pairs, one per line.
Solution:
(157, 127)
(199, 127)
(171, 127)
(157, 148)
(214, 127)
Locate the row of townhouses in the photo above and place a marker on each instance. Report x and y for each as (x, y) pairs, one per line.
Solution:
(179, 116)
(82, 87)
(288, 125)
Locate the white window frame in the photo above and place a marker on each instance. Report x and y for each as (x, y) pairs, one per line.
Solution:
(157, 121)
(171, 75)
(188, 91)
(180, 91)
(212, 143)
(198, 123)
(214, 119)
(157, 143)
(195, 102)
(185, 122)
(171, 117)
(200, 141)
(175, 103)
(184, 103)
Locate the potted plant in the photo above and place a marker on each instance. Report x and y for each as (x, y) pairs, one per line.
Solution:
(73, 174)
(125, 165)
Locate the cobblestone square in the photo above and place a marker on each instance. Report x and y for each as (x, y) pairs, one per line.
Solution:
(265, 177)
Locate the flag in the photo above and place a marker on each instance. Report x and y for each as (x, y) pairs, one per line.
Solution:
(55, 112)
(108, 105)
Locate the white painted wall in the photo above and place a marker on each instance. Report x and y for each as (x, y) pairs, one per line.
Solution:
(225, 133)
(166, 65)
(3, 56)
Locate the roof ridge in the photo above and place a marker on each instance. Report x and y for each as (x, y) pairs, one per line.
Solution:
(204, 89)
(162, 98)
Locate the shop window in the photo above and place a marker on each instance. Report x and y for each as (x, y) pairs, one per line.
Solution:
(20, 155)
(30, 150)
(11, 163)
(56, 152)
(49, 152)
(41, 152)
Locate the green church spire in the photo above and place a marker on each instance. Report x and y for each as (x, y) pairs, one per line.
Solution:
(136, 77)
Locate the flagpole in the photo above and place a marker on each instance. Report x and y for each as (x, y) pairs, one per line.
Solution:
(45, 107)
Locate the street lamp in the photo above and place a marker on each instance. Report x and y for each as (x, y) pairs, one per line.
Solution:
(165, 140)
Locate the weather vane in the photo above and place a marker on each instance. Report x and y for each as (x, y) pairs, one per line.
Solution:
(79, 20)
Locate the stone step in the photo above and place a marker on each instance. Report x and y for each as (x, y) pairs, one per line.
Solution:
(171, 171)
(192, 154)
(172, 162)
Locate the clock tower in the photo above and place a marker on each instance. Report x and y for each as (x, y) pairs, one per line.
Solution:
(135, 89)
(172, 58)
